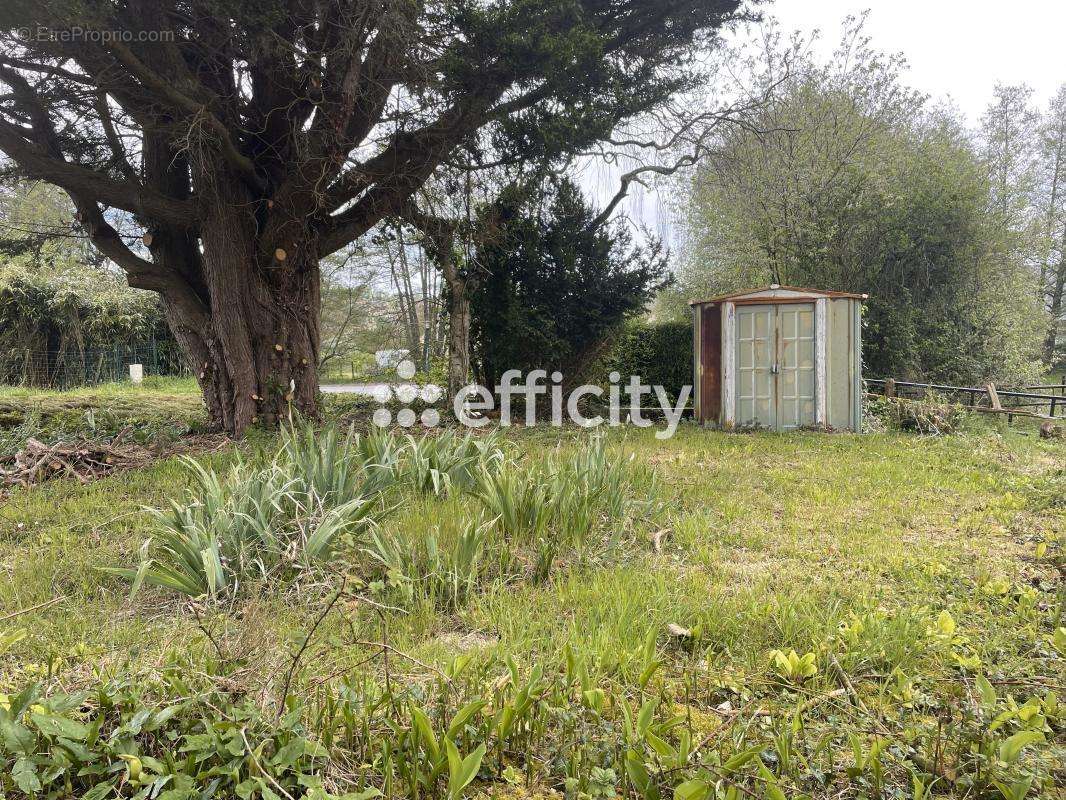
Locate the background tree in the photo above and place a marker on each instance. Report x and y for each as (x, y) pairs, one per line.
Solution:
(1025, 153)
(252, 140)
(62, 311)
(456, 213)
(1052, 208)
(556, 283)
(350, 308)
(848, 180)
(1008, 133)
(416, 286)
(445, 233)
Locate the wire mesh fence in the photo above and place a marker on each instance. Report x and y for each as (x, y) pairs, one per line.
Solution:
(70, 367)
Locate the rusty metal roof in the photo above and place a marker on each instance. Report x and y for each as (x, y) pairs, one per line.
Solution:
(773, 287)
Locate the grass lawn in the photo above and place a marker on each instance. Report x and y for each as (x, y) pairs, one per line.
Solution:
(166, 407)
(923, 575)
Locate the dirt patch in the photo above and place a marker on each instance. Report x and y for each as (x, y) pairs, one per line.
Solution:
(464, 642)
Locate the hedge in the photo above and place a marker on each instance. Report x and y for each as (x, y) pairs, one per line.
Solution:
(660, 353)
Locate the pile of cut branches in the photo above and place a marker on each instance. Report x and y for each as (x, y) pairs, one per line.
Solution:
(84, 459)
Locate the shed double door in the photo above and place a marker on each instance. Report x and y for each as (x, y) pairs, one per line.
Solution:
(775, 365)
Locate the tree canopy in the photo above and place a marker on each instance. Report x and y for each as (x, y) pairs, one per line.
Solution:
(849, 180)
(556, 285)
(251, 139)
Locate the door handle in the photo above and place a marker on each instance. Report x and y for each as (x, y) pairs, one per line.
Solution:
(776, 368)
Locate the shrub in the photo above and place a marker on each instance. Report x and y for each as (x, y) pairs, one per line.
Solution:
(528, 515)
(661, 354)
(60, 322)
(337, 469)
(553, 285)
(114, 742)
(267, 522)
(557, 506)
(931, 415)
(181, 733)
(321, 491)
(445, 564)
(447, 462)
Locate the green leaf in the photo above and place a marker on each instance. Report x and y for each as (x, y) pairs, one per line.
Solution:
(1015, 791)
(24, 774)
(314, 749)
(773, 791)
(987, 691)
(692, 790)
(455, 762)
(17, 738)
(464, 715)
(99, 792)
(1011, 749)
(1058, 640)
(198, 743)
(648, 672)
(645, 716)
(77, 750)
(19, 702)
(740, 759)
(425, 732)
(141, 571)
(945, 623)
(636, 770)
(161, 717)
(471, 765)
(462, 772)
(662, 748)
(56, 726)
(289, 754)
(11, 637)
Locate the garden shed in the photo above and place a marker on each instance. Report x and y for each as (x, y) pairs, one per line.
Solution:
(780, 357)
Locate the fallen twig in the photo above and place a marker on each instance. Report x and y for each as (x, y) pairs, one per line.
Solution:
(37, 607)
(389, 648)
(259, 766)
(303, 647)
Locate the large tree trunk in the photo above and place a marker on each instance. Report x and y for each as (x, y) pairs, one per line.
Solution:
(458, 336)
(255, 359)
(439, 241)
(249, 325)
(1058, 289)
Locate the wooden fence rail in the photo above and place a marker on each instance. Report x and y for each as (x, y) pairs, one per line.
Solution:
(1051, 397)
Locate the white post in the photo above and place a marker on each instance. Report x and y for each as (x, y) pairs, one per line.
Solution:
(137, 373)
(820, 371)
(729, 383)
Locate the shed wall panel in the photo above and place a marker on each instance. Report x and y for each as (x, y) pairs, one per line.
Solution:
(710, 363)
(841, 373)
(856, 367)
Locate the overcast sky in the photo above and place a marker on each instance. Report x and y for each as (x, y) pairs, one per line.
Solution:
(954, 48)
